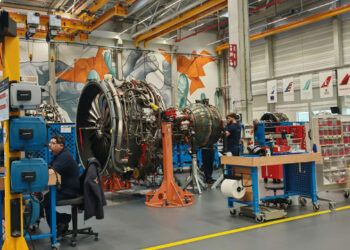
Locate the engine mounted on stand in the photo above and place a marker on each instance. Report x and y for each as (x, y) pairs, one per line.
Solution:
(119, 123)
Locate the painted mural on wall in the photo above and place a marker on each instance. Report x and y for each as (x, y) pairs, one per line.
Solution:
(71, 73)
(72, 79)
(74, 65)
(155, 68)
(191, 70)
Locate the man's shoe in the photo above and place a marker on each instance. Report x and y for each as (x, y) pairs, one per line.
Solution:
(61, 229)
(210, 181)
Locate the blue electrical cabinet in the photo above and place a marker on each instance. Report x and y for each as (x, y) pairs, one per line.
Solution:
(29, 175)
(28, 134)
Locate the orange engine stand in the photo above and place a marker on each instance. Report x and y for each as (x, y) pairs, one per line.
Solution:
(169, 194)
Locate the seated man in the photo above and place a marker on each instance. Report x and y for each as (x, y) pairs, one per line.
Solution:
(64, 164)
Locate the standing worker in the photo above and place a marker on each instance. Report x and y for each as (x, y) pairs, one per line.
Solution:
(233, 134)
(64, 164)
(208, 157)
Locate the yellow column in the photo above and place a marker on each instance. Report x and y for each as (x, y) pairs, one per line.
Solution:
(11, 70)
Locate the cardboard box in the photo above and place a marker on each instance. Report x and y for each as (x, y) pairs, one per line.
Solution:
(2, 183)
(53, 179)
(248, 195)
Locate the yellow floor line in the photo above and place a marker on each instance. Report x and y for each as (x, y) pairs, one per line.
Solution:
(182, 242)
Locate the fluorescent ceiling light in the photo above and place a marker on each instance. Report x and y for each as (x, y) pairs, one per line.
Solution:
(199, 25)
(170, 38)
(224, 14)
(217, 41)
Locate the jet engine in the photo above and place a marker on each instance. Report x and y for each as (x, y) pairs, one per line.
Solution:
(119, 123)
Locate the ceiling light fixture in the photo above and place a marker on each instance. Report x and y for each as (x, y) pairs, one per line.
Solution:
(199, 25)
(134, 25)
(217, 41)
(71, 7)
(170, 38)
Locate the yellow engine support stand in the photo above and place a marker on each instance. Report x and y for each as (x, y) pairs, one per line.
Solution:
(11, 70)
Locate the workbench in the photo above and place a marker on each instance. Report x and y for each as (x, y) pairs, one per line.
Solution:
(53, 178)
(299, 176)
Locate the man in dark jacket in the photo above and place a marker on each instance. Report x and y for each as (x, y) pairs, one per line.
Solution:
(64, 164)
(233, 133)
(94, 198)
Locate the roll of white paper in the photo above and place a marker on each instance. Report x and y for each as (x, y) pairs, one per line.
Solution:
(233, 188)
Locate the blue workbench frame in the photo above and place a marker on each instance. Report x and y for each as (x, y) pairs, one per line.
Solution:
(53, 233)
(298, 179)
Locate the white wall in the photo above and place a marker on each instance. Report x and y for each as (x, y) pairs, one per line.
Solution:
(308, 49)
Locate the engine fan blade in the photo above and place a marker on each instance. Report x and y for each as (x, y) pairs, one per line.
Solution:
(100, 147)
(107, 135)
(91, 120)
(95, 105)
(93, 114)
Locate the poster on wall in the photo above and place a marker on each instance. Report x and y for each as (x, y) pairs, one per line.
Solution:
(343, 82)
(306, 87)
(288, 89)
(326, 84)
(271, 91)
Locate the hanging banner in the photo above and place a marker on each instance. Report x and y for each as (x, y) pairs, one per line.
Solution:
(343, 82)
(326, 84)
(271, 91)
(306, 87)
(288, 89)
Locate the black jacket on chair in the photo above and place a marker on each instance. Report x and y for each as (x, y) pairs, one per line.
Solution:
(94, 198)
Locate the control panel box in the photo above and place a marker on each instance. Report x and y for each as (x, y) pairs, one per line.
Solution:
(29, 175)
(33, 19)
(28, 134)
(55, 21)
(25, 95)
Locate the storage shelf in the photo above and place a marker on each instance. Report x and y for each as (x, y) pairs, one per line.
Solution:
(337, 161)
(328, 145)
(333, 170)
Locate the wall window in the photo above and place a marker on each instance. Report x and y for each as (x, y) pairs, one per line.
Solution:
(302, 116)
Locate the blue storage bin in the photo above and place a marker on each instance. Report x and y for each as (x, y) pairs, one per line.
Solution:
(37, 165)
(35, 124)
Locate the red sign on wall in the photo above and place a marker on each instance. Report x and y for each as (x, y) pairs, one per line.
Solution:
(232, 58)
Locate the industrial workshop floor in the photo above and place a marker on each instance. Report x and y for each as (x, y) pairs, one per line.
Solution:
(207, 224)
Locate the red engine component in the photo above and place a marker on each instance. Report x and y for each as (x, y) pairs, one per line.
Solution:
(170, 113)
(113, 183)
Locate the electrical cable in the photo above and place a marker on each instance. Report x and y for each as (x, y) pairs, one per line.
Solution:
(30, 217)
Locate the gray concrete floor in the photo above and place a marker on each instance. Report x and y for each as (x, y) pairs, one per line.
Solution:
(129, 224)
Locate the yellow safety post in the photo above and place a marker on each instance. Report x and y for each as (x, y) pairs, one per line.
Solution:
(11, 70)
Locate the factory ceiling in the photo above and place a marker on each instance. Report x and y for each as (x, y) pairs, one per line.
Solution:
(173, 20)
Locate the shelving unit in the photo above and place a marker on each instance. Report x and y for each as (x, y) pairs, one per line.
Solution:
(331, 134)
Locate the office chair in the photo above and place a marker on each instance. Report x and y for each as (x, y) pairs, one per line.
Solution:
(76, 203)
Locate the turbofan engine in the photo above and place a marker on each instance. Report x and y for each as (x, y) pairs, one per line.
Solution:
(119, 123)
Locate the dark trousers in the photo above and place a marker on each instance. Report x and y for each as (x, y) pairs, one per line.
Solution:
(61, 218)
(208, 156)
(234, 150)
